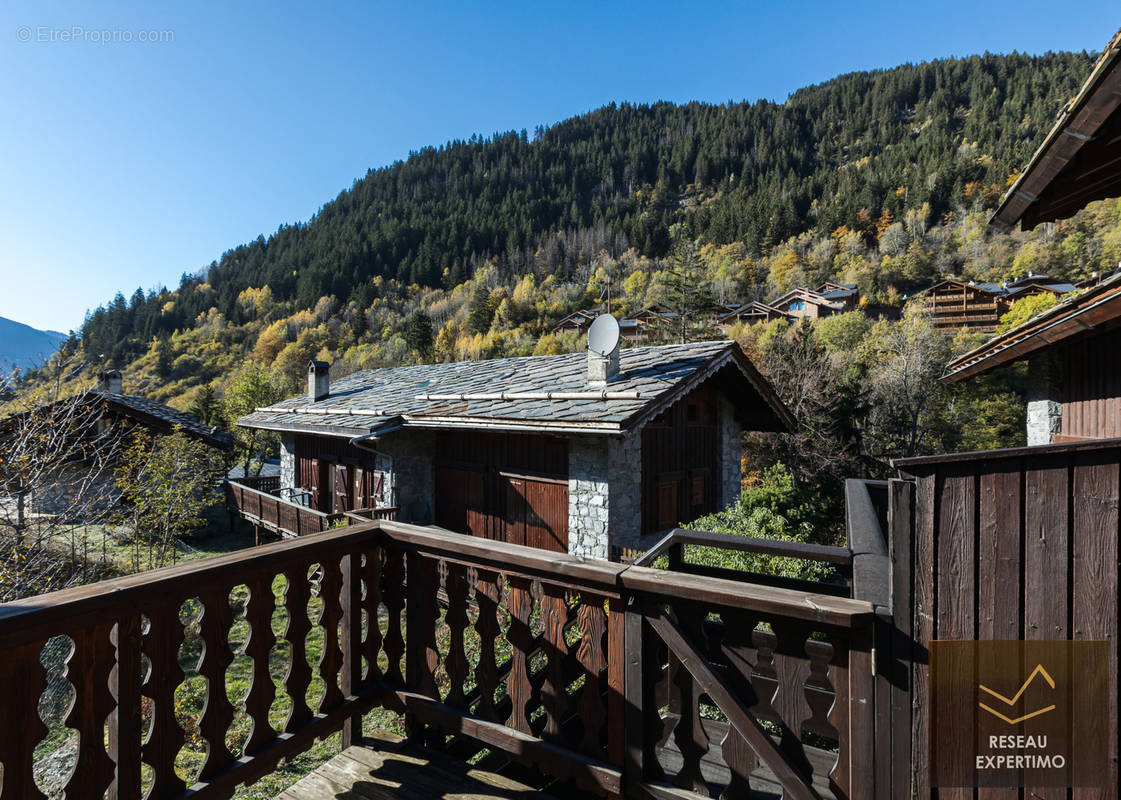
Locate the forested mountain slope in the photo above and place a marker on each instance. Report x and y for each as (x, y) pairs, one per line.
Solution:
(476, 249)
(931, 136)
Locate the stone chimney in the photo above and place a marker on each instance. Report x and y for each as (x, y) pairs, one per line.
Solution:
(601, 369)
(109, 381)
(318, 380)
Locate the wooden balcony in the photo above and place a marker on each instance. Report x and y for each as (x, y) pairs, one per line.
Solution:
(257, 501)
(573, 676)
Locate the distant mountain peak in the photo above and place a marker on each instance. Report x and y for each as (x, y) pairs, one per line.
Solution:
(24, 347)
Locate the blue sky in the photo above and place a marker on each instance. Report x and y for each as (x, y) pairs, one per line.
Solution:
(126, 163)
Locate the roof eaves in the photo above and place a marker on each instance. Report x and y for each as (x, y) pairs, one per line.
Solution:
(1062, 142)
(1011, 344)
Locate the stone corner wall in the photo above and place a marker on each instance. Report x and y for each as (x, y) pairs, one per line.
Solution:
(1045, 409)
(730, 434)
(604, 494)
(412, 481)
(588, 482)
(288, 461)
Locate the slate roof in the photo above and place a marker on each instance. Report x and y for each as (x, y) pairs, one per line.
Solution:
(156, 415)
(166, 414)
(432, 395)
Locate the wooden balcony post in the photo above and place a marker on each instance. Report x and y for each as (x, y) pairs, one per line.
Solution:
(125, 723)
(352, 643)
(633, 733)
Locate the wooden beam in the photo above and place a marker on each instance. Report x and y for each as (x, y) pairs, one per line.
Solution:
(793, 783)
(555, 759)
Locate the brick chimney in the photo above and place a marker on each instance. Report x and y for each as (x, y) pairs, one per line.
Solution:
(109, 381)
(318, 380)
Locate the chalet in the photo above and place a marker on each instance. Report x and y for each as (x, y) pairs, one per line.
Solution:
(576, 322)
(550, 451)
(1074, 376)
(964, 304)
(749, 313)
(803, 302)
(91, 417)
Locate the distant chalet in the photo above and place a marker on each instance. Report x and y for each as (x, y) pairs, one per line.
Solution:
(87, 480)
(531, 450)
(979, 306)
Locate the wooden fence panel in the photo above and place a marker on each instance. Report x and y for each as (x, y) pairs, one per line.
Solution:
(1006, 544)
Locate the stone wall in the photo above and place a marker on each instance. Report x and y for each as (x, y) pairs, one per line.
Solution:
(74, 492)
(625, 470)
(412, 480)
(730, 434)
(287, 461)
(588, 481)
(604, 494)
(1045, 410)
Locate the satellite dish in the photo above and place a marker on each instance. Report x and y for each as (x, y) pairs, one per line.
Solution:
(603, 336)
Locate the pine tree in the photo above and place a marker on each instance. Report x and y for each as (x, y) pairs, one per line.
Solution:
(418, 334)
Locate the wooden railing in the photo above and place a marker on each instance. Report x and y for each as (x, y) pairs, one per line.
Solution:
(126, 637)
(622, 680)
(673, 545)
(268, 511)
(270, 484)
(362, 515)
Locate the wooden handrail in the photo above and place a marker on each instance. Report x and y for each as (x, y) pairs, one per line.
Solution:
(21, 618)
(589, 613)
(841, 556)
(526, 560)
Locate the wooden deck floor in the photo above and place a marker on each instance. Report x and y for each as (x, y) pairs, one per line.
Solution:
(388, 770)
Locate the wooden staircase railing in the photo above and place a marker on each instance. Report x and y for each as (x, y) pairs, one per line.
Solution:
(620, 680)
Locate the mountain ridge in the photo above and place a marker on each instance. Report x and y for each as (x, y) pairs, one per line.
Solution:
(25, 347)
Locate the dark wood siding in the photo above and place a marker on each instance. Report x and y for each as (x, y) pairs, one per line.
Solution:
(339, 476)
(1090, 375)
(680, 465)
(1016, 544)
(508, 487)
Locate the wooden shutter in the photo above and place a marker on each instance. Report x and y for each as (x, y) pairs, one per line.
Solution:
(361, 499)
(315, 478)
(376, 488)
(667, 504)
(342, 487)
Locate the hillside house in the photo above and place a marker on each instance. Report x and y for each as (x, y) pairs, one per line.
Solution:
(749, 313)
(576, 322)
(549, 451)
(99, 420)
(955, 304)
(803, 302)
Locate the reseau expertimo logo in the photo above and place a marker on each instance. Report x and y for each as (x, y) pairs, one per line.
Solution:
(1019, 713)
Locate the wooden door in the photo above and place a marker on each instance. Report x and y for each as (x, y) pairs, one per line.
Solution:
(536, 512)
(460, 502)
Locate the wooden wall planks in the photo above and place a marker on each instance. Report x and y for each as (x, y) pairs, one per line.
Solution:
(1022, 545)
